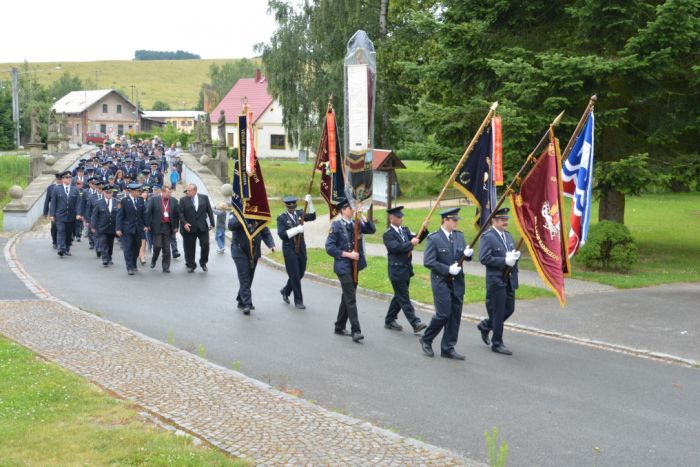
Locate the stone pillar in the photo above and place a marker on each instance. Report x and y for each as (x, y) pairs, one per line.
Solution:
(52, 145)
(197, 149)
(222, 157)
(49, 161)
(36, 161)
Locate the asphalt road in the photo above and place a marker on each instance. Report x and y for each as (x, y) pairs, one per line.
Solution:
(555, 403)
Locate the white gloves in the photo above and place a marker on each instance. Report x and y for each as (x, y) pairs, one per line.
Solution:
(468, 252)
(516, 255)
(510, 258)
(310, 205)
(455, 269)
(294, 231)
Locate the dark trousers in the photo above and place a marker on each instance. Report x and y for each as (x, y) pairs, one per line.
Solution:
(161, 241)
(64, 235)
(105, 245)
(295, 264)
(500, 305)
(190, 244)
(78, 231)
(401, 301)
(131, 244)
(448, 317)
(54, 234)
(245, 271)
(173, 244)
(348, 304)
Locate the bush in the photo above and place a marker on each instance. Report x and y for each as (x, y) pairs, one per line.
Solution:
(609, 247)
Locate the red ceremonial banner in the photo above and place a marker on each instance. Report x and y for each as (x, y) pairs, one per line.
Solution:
(538, 209)
(330, 129)
(497, 151)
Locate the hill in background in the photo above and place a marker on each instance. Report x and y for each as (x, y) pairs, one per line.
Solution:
(176, 82)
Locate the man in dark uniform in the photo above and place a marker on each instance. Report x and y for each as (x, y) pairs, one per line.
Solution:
(47, 208)
(103, 223)
(162, 219)
(245, 260)
(64, 211)
(497, 252)
(78, 230)
(290, 230)
(87, 207)
(445, 248)
(130, 226)
(340, 244)
(399, 242)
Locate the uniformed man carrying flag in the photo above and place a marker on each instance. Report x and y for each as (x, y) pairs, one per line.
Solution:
(290, 229)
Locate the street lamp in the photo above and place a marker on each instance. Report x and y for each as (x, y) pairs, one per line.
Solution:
(15, 96)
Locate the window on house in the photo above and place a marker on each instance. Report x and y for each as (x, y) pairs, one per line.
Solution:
(277, 142)
(104, 108)
(119, 108)
(103, 128)
(77, 129)
(120, 130)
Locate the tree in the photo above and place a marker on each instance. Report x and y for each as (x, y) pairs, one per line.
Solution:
(223, 77)
(63, 85)
(7, 126)
(160, 105)
(160, 55)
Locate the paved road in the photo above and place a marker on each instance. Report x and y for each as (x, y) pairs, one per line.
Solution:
(555, 403)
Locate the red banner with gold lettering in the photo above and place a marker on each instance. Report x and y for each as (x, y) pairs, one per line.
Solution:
(538, 209)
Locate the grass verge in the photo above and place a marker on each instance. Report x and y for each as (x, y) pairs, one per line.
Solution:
(13, 171)
(49, 416)
(374, 277)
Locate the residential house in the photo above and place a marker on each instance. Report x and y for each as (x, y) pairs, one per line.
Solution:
(182, 120)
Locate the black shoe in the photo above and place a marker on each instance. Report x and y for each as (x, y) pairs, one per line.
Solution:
(285, 298)
(357, 336)
(110, 262)
(393, 325)
(55, 247)
(190, 269)
(300, 306)
(420, 327)
(105, 264)
(502, 349)
(67, 253)
(452, 354)
(176, 255)
(153, 264)
(252, 307)
(98, 254)
(204, 267)
(246, 310)
(240, 306)
(484, 333)
(77, 239)
(130, 272)
(427, 348)
(92, 247)
(61, 253)
(166, 270)
(342, 332)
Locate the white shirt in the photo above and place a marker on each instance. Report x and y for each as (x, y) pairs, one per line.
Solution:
(447, 234)
(399, 231)
(195, 202)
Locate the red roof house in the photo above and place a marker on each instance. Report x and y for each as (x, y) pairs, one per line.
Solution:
(255, 89)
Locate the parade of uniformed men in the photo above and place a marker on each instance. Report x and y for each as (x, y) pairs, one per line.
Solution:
(63, 210)
(497, 253)
(290, 229)
(399, 243)
(442, 255)
(340, 245)
(103, 224)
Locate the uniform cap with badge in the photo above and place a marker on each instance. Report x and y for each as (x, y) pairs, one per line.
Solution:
(451, 213)
(397, 211)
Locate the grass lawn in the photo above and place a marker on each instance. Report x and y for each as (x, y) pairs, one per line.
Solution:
(49, 416)
(172, 81)
(374, 277)
(13, 171)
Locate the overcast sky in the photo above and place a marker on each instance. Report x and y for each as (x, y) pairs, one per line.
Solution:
(86, 30)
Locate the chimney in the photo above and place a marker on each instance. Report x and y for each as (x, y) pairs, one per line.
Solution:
(257, 75)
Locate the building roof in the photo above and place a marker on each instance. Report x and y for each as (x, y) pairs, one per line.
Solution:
(76, 102)
(172, 113)
(385, 159)
(232, 104)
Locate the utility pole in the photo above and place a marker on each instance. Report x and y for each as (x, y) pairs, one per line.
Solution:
(132, 92)
(97, 77)
(15, 104)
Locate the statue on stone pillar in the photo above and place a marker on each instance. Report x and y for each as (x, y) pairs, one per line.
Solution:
(222, 128)
(207, 129)
(53, 131)
(34, 137)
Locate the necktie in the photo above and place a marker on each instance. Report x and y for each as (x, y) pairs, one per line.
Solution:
(449, 237)
(503, 238)
(403, 239)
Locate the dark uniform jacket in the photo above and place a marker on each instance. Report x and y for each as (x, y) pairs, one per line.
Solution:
(64, 207)
(439, 255)
(104, 222)
(399, 260)
(197, 219)
(284, 223)
(492, 254)
(47, 199)
(154, 214)
(130, 216)
(341, 238)
(240, 248)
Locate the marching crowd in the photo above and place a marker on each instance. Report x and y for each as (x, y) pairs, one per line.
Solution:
(120, 192)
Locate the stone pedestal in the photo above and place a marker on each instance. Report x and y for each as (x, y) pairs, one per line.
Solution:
(197, 147)
(36, 160)
(48, 163)
(222, 159)
(52, 145)
(63, 145)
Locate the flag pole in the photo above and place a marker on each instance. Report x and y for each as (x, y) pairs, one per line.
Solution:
(579, 127)
(356, 246)
(477, 135)
(531, 159)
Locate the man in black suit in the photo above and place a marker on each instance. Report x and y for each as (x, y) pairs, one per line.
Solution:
(399, 242)
(194, 209)
(64, 211)
(130, 226)
(103, 223)
(47, 207)
(162, 219)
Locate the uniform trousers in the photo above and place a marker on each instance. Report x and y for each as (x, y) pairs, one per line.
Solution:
(64, 234)
(131, 244)
(295, 264)
(401, 301)
(348, 304)
(54, 234)
(105, 245)
(246, 271)
(500, 305)
(448, 315)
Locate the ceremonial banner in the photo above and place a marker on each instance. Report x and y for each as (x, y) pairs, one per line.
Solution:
(244, 189)
(250, 146)
(475, 177)
(577, 176)
(330, 164)
(497, 151)
(538, 213)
